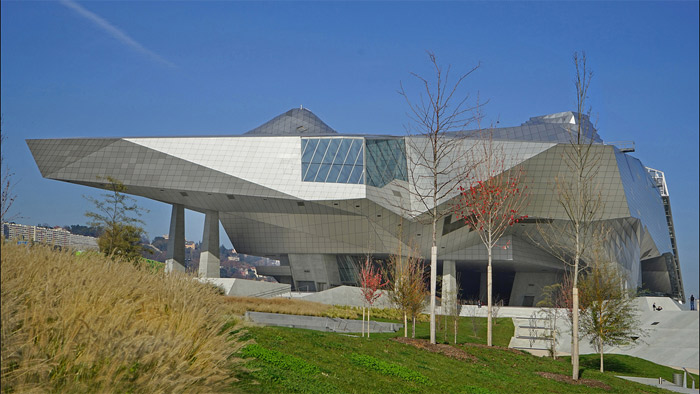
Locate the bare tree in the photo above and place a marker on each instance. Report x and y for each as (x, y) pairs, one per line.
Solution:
(579, 196)
(491, 202)
(435, 156)
(554, 298)
(7, 198)
(496, 308)
(454, 307)
(472, 313)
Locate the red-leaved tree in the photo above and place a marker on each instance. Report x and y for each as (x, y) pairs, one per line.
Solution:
(371, 284)
(491, 203)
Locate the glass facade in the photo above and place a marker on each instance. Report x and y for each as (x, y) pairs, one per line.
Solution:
(643, 199)
(347, 268)
(332, 160)
(386, 161)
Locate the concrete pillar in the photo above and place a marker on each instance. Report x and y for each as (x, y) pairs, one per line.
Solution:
(175, 260)
(449, 284)
(209, 260)
(449, 277)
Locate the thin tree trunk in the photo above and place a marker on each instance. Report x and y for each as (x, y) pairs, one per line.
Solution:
(456, 323)
(433, 286)
(600, 346)
(444, 320)
(369, 311)
(574, 334)
(489, 290)
(554, 337)
(405, 325)
(363, 321)
(413, 335)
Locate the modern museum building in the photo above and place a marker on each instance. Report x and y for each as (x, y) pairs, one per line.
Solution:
(319, 201)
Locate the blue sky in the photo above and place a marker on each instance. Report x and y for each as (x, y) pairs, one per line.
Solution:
(93, 69)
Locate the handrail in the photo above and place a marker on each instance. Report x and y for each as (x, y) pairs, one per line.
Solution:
(685, 383)
(271, 293)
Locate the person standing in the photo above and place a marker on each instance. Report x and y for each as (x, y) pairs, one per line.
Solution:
(692, 302)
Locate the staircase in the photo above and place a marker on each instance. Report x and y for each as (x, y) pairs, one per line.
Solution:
(532, 334)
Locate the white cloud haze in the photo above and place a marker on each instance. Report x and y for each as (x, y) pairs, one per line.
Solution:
(114, 31)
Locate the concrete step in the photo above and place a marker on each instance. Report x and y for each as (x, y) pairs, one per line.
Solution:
(532, 332)
(529, 343)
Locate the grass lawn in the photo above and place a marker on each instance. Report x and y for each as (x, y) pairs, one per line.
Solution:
(620, 364)
(302, 361)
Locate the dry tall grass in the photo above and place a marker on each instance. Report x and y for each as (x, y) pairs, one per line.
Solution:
(239, 305)
(89, 324)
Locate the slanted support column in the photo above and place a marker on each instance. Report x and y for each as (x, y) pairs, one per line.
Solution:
(209, 259)
(175, 260)
(449, 283)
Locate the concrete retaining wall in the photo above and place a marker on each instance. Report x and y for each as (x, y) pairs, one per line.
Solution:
(319, 323)
(246, 287)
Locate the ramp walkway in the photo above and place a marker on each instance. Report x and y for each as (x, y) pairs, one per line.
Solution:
(327, 324)
(660, 383)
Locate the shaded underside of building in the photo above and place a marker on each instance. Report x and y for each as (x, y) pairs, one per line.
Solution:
(319, 201)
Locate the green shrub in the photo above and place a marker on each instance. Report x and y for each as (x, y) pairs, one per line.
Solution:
(387, 368)
(279, 359)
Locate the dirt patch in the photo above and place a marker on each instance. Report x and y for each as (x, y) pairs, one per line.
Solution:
(567, 379)
(507, 349)
(446, 350)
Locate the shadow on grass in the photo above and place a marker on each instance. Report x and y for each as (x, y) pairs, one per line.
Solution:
(610, 364)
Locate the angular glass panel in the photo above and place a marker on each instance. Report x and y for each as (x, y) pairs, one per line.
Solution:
(304, 169)
(322, 173)
(332, 150)
(343, 151)
(308, 146)
(336, 160)
(320, 150)
(386, 161)
(355, 148)
(345, 173)
(311, 172)
(356, 175)
(333, 173)
(360, 161)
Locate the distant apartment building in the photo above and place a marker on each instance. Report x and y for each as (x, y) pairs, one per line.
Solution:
(50, 236)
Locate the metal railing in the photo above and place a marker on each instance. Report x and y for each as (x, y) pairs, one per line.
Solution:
(623, 146)
(685, 381)
(272, 293)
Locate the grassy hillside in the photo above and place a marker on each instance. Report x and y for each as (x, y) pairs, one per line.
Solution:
(89, 324)
(286, 360)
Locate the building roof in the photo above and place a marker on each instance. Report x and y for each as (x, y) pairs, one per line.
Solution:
(297, 121)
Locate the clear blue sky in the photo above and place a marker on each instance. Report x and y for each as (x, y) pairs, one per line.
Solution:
(94, 69)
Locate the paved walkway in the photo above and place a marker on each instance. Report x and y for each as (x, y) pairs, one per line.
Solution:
(319, 323)
(665, 384)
